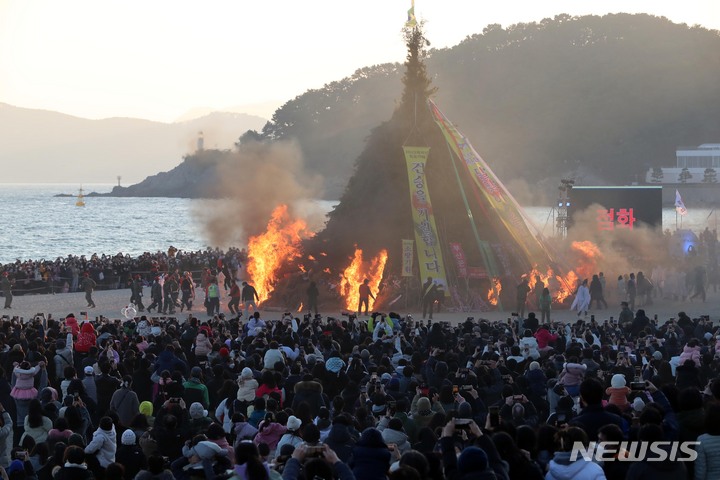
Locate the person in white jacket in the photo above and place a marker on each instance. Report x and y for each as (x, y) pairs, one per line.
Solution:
(529, 346)
(582, 299)
(6, 437)
(104, 443)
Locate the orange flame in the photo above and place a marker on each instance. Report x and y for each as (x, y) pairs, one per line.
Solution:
(356, 273)
(494, 292)
(311, 258)
(300, 308)
(302, 268)
(279, 244)
(560, 287)
(588, 256)
(326, 270)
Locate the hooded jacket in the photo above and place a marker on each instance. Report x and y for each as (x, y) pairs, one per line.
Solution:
(168, 361)
(309, 392)
(203, 346)
(247, 386)
(271, 435)
(125, 403)
(103, 445)
(561, 468)
(341, 441)
(690, 353)
(370, 457)
(397, 437)
(86, 338)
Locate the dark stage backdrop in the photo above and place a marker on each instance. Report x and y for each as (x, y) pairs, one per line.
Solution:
(622, 207)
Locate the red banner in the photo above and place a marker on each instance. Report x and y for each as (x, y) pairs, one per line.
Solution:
(459, 255)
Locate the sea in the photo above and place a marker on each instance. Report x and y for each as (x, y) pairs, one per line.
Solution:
(39, 225)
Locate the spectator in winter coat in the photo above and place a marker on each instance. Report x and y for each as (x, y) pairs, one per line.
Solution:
(537, 382)
(618, 392)
(63, 354)
(130, 455)
(310, 392)
(270, 433)
(691, 351)
(88, 382)
(529, 346)
(247, 385)
(6, 437)
(370, 457)
(86, 338)
(707, 465)
(272, 356)
(74, 467)
(544, 338)
(291, 436)
(572, 376)
(341, 439)
(104, 443)
(667, 469)
(203, 346)
(125, 402)
(593, 415)
(561, 467)
(394, 433)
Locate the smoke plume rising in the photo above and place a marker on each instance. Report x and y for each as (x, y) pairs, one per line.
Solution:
(258, 178)
(622, 250)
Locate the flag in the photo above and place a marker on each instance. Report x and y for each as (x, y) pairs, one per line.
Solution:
(679, 205)
(411, 21)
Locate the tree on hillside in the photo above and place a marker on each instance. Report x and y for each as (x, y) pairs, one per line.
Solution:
(657, 175)
(710, 176)
(684, 175)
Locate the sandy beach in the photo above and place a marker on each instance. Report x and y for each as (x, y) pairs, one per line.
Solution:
(111, 302)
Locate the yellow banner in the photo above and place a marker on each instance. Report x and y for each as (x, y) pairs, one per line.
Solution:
(428, 245)
(407, 257)
(503, 204)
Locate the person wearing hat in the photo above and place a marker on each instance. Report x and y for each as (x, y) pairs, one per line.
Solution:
(291, 435)
(130, 455)
(6, 285)
(618, 392)
(199, 421)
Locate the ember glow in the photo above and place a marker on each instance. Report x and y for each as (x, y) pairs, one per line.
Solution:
(588, 254)
(356, 273)
(268, 252)
(494, 292)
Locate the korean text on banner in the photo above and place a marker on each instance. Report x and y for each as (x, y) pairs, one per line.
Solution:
(428, 246)
(459, 255)
(407, 257)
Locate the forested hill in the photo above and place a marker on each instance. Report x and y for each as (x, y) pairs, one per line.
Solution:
(598, 97)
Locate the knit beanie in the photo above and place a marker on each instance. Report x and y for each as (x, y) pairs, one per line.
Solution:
(534, 365)
(638, 404)
(618, 380)
(246, 374)
(197, 411)
(128, 437)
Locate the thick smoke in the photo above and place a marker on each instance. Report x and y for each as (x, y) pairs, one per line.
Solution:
(257, 179)
(622, 250)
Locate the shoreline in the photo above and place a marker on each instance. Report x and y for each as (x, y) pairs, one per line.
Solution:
(111, 302)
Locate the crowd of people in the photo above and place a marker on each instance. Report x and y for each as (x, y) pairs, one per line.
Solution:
(64, 275)
(369, 397)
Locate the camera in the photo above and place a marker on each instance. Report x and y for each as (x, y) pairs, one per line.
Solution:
(494, 413)
(637, 386)
(314, 451)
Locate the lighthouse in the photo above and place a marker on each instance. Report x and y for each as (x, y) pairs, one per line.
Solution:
(200, 142)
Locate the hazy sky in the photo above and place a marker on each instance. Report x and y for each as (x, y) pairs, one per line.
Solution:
(158, 59)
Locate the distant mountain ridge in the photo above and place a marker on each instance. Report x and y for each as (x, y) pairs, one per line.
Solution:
(33, 142)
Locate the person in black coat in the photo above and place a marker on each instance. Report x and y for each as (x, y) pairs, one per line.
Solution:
(74, 467)
(370, 456)
(341, 439)
(310, 392)
(594, 416)
(130, 455)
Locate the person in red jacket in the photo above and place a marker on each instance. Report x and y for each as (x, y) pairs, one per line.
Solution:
(544, 338)
(86, 339)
